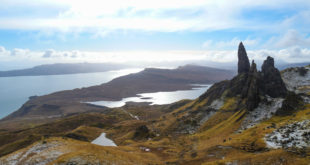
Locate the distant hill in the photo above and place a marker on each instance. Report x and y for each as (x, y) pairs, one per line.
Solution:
(63, 68)
(147, 81)
(291, 65)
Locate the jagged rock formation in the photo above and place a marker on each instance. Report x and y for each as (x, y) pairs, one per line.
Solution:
(243, 60)
(291, 104)
(251, 89)
(272, 83)
(250, 85)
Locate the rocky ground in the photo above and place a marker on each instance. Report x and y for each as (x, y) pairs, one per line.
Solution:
(264, 111)
(40, 153)
(297, 79)
(292, 135)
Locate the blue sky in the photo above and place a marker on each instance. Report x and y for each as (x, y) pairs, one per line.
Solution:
(141, 31)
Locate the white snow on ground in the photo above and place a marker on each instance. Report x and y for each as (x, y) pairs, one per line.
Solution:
(292, 135)
(294, 81)
(131, 115)
(103, 141)
(265, 110)
(217, 104)
(39, 154)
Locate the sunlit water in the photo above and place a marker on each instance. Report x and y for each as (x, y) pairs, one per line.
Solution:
(158, 98)
(103, 141)
(15, 91)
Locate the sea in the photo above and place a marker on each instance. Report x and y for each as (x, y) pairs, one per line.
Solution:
(15, 91)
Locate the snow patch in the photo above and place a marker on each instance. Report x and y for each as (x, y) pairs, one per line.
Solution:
(292, 135)
(264, 111)
(39, 154)
(217, 104)
(295, 82)
(131, 115)
(145, 149)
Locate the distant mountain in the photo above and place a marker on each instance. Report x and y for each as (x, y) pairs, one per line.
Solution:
(291, 65)
(63, 68)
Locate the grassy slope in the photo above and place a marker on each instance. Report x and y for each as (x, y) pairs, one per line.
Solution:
(215, 142)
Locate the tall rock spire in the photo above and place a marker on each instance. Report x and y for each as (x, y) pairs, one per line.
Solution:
(243, 60)
(273, 84)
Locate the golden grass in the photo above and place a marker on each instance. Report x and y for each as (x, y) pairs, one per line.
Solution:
(111, 155)
(213, 136)
(90, 133)
(266, 158)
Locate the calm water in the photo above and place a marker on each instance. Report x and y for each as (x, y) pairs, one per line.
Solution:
(157, 98)
(14, 91)
(103, 141)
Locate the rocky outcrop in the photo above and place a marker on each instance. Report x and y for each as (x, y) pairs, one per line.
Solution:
(291, 104)
(142, 132)
(271, 81)
(243, 60)
(297, 79)
(250, 85)
(251, 89)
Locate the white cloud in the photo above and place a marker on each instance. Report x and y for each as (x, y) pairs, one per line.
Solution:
(289, 55)
(3, 52)
(2, 49)
(19, 52)
(48, 53)
(293, 38)
(101, 15)
(231, 44)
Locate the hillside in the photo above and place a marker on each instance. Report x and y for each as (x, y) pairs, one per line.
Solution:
(63, 68)
(257, 117)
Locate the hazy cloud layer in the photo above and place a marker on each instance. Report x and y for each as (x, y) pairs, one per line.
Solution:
(279, 28)
(159, 15)
(289, 55)
(293, 38)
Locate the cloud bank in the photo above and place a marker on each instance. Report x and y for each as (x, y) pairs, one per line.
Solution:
(100, 16)
(278, 28)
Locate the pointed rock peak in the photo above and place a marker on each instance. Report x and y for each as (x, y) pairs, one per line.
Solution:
(243, 60)
(253, 63)
(253, 67)
(268, 63)
(271, 78)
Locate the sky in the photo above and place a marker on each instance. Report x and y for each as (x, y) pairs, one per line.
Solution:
(167, 32)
